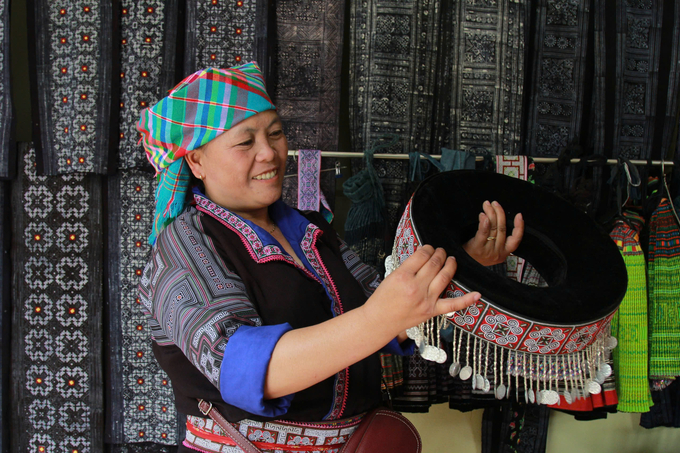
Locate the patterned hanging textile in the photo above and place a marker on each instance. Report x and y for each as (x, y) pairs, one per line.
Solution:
(141, 405)
(71, 78)
(306, 91)
(666, 408)
(392, 70)
(5, 320)
(481, 76)
(558, 75)
(310, 197)
(223, 34)
(515, 427)
(7, 154)
(147, 58)
(629, 325)
(635, 90)
(57, 394)
(663, 273)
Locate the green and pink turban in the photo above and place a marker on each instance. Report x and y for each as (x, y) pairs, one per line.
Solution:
(200, 108)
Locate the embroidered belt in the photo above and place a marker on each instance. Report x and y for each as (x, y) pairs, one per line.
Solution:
(272, 437)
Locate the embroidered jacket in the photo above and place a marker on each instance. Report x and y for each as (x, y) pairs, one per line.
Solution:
(219, 292)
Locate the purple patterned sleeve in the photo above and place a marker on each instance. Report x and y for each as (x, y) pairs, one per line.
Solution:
(191, 299)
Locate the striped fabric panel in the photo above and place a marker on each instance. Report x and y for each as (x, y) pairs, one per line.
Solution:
(629, 327)
(664, 293)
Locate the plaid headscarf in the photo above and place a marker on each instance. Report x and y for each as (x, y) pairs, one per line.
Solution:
(200, 108)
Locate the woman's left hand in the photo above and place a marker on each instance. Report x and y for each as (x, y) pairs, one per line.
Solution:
(491, 245)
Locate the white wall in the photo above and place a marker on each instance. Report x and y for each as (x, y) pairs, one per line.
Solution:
(444, 430)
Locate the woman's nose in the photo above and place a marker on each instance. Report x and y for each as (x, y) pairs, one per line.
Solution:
(265, 152)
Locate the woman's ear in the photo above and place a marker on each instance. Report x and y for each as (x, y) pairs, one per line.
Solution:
(194, 159)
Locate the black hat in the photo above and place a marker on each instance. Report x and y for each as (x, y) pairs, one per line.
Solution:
(567, 321)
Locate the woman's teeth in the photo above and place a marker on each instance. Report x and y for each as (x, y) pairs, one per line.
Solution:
(263, 176)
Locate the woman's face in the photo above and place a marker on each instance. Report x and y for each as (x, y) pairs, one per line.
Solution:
(243, 168)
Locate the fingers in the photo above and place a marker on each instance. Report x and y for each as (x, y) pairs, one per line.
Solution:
(483, 230)
(440, 281)
(416, 261)
(517, 233)
(501, 229)
(445, 306)
(491, 215)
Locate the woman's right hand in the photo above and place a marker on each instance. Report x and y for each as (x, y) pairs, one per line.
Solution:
(411, 294)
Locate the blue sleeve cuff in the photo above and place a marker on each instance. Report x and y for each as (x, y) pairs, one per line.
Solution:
(407, 347)
(244, 369)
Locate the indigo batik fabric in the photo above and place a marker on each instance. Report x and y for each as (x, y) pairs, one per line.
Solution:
(223, 34)
(57, 397)
(393, 51)
(636, 45)
(6, 114)
(71, 77)
(148, 47)
(481, 76)
(141, 404)
(307, 89)
(558, 87)
(5, 313)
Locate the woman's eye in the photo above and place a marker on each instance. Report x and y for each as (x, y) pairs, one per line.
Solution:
(276, 133)
(246, 143)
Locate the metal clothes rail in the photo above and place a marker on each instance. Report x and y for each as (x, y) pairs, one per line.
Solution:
(540, 160)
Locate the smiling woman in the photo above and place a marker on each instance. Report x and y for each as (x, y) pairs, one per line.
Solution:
(261, 310)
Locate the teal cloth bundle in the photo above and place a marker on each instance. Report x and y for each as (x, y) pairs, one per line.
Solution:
(663, 273)
(365, 218)
(629, 325)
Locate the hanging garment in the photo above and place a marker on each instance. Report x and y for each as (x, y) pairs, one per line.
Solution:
(57, 397)
(365, 223)
(629, 325)
(72, 76)
(515, 427)
(666, 408)
(147, 66)
(663, 273)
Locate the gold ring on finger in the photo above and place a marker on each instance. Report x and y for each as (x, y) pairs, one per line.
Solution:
(491, 238)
